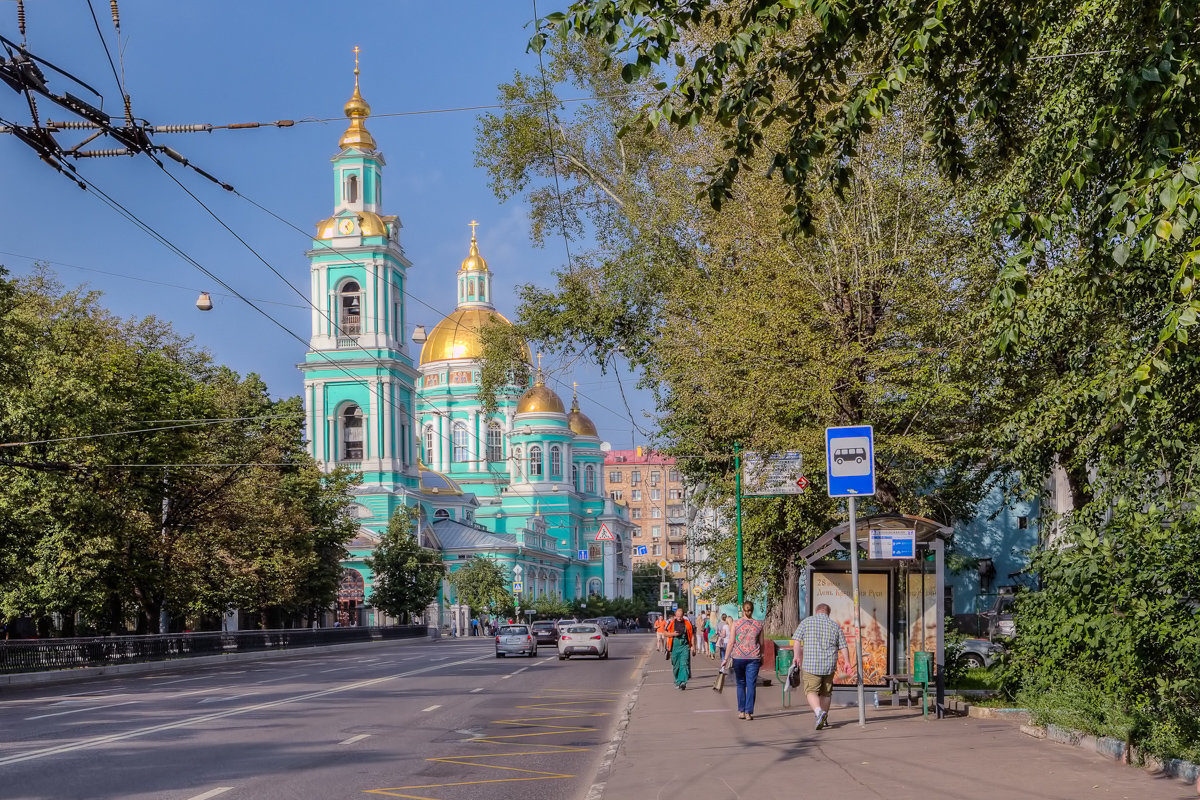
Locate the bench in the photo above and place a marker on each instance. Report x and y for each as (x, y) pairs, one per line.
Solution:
(895, 682)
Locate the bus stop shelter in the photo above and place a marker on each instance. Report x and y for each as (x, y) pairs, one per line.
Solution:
(902, 597)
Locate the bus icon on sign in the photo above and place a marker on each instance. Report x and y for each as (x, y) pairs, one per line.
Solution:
(849, 456)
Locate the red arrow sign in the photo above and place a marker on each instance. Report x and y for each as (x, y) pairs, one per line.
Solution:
(802, 482)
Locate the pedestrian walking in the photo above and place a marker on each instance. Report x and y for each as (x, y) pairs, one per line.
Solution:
(659, 640)
(723, 637)
(745, 656)
(682, 637)
(815, 646)
(713, 633)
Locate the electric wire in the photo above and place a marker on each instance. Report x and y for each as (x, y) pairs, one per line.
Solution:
(188, 424)
(107, 52)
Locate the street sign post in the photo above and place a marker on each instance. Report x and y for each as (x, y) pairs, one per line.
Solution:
(642, 550)
(850, 470)
(583, 555)
(663, 564)
(605, 534)
(518, 587)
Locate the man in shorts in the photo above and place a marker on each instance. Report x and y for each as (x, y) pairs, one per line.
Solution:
(815, 645)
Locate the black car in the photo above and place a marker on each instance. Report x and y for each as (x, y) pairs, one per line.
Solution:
(545, 631)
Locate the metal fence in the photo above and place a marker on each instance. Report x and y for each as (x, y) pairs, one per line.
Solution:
(39, 655)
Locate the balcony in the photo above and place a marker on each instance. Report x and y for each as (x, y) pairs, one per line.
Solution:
(353, 466)
(351, 325)
(677, 534)
(347, 343)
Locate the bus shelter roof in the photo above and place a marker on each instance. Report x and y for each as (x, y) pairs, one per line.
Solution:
(838, 537)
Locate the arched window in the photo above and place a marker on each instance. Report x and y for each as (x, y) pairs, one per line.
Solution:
(589, 479)
(594, 587)
(575, 476)
(460, 443)
(495, 442)
(535, 462)
(351, 309)
(352, 189)
(428, 449)
(556, 462)
(441, 513)
(471, 287)
(352, 433)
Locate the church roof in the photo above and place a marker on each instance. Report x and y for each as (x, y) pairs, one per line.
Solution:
(540, 398)
(458, 335)
(457, 536)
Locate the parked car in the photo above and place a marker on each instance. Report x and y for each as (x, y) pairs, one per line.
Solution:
(583, 638)
(609, 624)
(545, 631)
(515, 640)
(980, 652)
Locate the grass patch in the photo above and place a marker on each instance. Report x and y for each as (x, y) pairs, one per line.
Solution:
(980, 678)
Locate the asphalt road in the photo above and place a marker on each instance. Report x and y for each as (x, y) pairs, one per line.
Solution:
(441, 720)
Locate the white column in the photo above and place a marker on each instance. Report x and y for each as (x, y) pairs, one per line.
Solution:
(317, 434)
(440, 445)
(388, 411)
(477, 446)
(315, 294)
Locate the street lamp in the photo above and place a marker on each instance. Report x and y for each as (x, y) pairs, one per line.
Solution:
(418, 335)
(204, 302)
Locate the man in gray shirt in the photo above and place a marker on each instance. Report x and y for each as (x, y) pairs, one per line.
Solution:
(815, 645)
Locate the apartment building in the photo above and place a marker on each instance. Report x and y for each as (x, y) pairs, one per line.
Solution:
(651, 486)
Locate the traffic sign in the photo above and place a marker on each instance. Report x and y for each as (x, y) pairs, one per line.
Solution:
(666, 603)
(604, 534)
(583, 555)
(802, 482)
(772, 476)
(850, 461)
(517, 570)
(642, 550)
(664, 564)
(518, 587)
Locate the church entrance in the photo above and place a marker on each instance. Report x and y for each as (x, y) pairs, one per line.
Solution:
(351, 598)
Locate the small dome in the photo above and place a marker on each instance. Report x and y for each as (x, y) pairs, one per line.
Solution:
(540, 398)
(473, 262)
(357, 109)
(434, 482)
(578, 422)
(457, 336)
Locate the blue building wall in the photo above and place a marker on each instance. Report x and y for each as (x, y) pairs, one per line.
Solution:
(1002, 531)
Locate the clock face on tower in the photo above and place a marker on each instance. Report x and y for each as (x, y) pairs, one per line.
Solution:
(346, 226)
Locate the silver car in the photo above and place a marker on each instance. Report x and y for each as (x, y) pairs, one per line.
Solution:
(583, 638)
(515, 640)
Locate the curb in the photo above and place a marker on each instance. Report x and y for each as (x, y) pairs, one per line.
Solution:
(53, 677)
(1007, 714)
(1117, 750)
(596, 792)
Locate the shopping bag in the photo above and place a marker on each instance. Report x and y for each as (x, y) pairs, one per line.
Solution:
(794, 676)
(719, 683)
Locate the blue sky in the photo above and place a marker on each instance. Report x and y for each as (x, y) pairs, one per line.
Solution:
(223, 62)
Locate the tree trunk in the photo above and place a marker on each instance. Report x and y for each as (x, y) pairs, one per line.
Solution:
(783, 615)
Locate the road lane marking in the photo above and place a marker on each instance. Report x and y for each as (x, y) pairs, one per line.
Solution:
(224, 699)
(339, 669)
(80, 710)
(475, 691)
(99, 741)
(518, 672)
(181, 680)
(354, 739)
(432, 708)
(211, 793)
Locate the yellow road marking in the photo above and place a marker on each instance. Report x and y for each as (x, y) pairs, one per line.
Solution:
(559, 703)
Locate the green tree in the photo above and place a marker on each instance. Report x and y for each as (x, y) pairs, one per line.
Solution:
(1073, 112)
(407, 575)
(480, 583)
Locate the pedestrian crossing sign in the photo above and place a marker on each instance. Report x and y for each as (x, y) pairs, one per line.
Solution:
(518, 586)
(604, 534)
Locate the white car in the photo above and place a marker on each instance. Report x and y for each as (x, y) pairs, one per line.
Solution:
(582, 638)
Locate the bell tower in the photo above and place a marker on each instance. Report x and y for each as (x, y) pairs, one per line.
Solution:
(359, 379)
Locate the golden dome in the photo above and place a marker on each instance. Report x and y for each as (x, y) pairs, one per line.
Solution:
(457, 336)
(473, 262)
(357, 109)
(578, 422)
(539, 398)
(369, 224)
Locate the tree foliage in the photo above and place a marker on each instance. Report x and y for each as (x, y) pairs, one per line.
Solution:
(122, 498)
(1077, 112)
(407, 575)
(481, 584)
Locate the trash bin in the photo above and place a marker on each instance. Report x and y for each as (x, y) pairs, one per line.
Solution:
(783, 662)
(922, 666)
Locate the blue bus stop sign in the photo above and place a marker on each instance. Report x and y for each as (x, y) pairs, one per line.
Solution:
(850, 461)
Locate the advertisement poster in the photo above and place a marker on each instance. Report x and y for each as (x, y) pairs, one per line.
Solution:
(922, 627)
(833, 589)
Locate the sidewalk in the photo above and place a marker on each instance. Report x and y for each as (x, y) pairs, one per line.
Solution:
(691, 746)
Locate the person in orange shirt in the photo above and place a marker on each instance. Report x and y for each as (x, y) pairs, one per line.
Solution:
(682, 637)
(659, 627)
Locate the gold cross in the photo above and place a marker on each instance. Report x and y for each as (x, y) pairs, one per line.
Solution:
(357, 50)
(473, 224)
(539, 360)
(575, 387)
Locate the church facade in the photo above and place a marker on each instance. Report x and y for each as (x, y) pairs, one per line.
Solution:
(522, 484)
